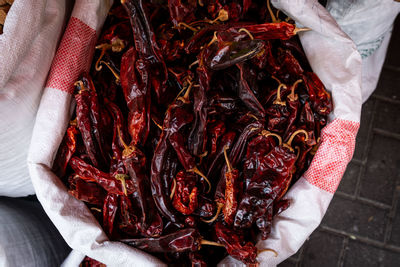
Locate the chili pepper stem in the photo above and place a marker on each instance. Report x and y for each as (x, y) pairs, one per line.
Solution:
(248, 33)
(73, 122)
(173, 188)
(103, 48)
(292, 96)
(180, 24)
(214, 39)
(227, 159)
(266, 133)
(127, 149)
(297, 30)
(121, 178)
(158, 125)
(185, 98)
(81, 85)
(219, 208)
(267, 250)
(114, 72)
(223, 15)
(198, 172)
(274, 20)
(278, 100)
(210, 243)
(193, 64)
(289, 143)
(95, 209)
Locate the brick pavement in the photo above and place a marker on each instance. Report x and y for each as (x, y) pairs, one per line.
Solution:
(362, 224)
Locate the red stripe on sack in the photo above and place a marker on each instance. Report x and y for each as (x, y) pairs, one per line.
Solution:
(73, 56)
(338, 141)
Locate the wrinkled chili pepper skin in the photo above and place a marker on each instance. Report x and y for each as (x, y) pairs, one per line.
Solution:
(235, 155)
(91, 174)
(266, 185)
(246, 94)
(233, 187)
(146, 44)
(181, 241)
(257, 148)
(110, 208)
(182, 11)
(233, 243)
(185, 197)
(88, 192)
(66, 150)
(151, 223)
(128, 219)
(84, 124)
(135, 85)
(269, 31)
(320, 99)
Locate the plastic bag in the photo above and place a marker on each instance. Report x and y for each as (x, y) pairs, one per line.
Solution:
(333, 57)
(369, 24)
(27, 46)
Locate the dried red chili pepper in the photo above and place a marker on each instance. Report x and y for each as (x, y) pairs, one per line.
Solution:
(186, 193)
(146, 44)
(135, 162)
(84, 121)
(269, 183)
(128, 217)
(321, 101)
(66, 150)
(182, 11)
(110, 208)
(135, 84)
(88, 192)
(233, 243)
(116, 185)
(233, 187)
(184, 240)
(257, 148)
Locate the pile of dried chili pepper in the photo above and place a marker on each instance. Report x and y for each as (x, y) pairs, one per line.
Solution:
(195, 119)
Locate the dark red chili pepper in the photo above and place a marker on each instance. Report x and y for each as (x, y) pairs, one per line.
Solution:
(128, 217)
(84, 121)
(233, 243)
(146, 44)
(88, 192)
(66, 150)
(257, 148)
(269, 31)
(181, 241)
(182, 11)
(321, 101)
(186, 193)
(215, 131)
(233, 187)
(135, 84)
(110, 208)
(111, 184)
(246, 94)
(135, 162)
(267, 185)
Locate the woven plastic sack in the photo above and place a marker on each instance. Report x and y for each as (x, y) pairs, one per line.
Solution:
(27, 46)
(369, 23)
(333, 57)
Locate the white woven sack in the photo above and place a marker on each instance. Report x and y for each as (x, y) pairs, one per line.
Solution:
(27, 46)
(333, 57)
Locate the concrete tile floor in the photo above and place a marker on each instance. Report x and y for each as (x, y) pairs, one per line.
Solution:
(362, 224)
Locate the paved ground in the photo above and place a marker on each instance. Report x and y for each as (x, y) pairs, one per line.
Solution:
(362, 224)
